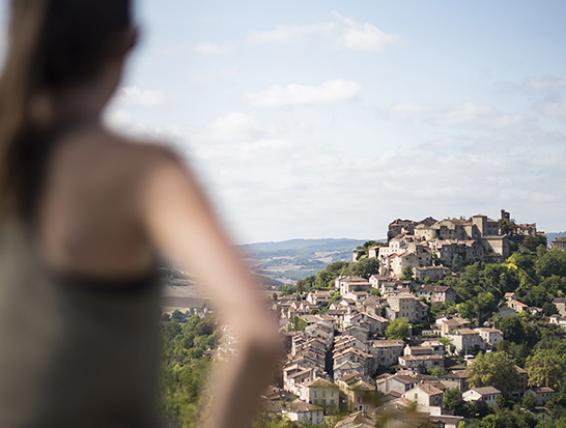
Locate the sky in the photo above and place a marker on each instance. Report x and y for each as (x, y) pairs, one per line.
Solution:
(327, 118)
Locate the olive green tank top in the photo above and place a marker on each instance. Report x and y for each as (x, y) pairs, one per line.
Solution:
(75, 351)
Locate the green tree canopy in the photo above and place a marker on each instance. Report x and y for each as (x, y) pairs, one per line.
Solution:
(452, 402)
(407, 273)
(398, 329)
(495, 369)
(546, 367)
(505, 418)
(364, 268)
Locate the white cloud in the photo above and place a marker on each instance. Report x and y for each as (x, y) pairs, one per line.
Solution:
(347, 33)
(363, 36)
(210, 49)
(546, 83)
(407, 109)
(236, 127)
(124, 122)
(296, 95)
(256, 170)
(289, 33)
(139, 97)
(462, 115)
(556, 109)
(215, 75)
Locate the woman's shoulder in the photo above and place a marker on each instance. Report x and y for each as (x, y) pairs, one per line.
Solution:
(115, 153)
(101, 163)
(147, 152)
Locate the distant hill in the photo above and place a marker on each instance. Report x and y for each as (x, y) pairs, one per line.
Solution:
(289, 261)
(553, 235)
(305, 246)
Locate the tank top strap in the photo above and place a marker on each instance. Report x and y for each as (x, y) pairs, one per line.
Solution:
(40, 144)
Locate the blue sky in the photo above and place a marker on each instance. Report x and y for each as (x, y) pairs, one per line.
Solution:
(328, 118)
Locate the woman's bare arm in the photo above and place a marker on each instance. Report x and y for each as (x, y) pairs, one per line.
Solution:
(182, 224)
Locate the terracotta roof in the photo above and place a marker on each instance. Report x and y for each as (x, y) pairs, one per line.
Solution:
(488, 330)
(486, 390)
(383, 376)
(464, 331)
(422, 357)
(356, 420)
(405, 379)
(299, 406)
(386, 343)
(543, 390)
(321, 383)
(520, 370)
(361, 385)
(462, 374)
(429, 388)
(453, 320)
(348, 377)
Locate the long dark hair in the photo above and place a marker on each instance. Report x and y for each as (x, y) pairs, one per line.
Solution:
(52, 45)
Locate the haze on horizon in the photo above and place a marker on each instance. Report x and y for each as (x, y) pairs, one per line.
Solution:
(331, 118)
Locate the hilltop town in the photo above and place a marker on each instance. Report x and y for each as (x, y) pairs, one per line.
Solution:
(429, 248)
(451, 322)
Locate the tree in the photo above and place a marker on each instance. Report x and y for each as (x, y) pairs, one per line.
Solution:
(185, 362)
(546, 367)
(495, 369)
(298, 324)
(529, 401)
(266, 420)
(518, 330)
(364, 268)
(486, 304)
(363, 250)
(398, 329)
(325, 278)
(549, 309)
(552, 262)
(374, 292)
(335, 296)
(437, 371)
(532, 243)
(407, 273)
(457, 263)
(452, 402)
(305, 284)
(505, 418)
(467, 309)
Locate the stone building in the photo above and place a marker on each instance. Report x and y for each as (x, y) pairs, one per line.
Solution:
(406, 305)
(559, 243)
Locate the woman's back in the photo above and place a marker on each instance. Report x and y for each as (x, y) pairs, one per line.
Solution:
(89, 208)
(79, 305)
(82, 214)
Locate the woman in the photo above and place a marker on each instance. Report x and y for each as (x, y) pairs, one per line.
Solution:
(83, 213)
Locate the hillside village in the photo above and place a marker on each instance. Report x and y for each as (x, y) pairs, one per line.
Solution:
(442, 325)
(379, 336)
